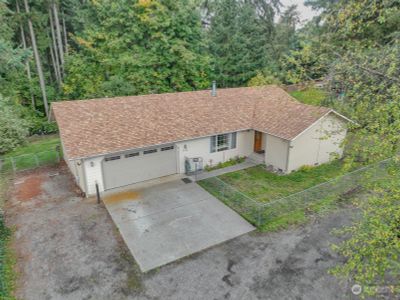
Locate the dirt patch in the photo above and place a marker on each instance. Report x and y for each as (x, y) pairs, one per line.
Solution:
(67, 247)
(29, 187)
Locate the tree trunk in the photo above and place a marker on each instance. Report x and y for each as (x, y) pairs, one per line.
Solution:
(37, 59)
(65, 34)
(28, 67)
(58, 32)
(56, 61)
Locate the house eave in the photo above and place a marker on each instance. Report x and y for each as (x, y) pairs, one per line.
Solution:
(156, 145)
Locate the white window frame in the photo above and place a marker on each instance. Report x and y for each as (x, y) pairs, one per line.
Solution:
(223, 142)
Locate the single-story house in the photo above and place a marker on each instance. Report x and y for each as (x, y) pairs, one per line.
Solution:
(123, 140)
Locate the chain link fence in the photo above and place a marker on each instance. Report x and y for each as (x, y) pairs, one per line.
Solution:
(29, 161)
(278, 213)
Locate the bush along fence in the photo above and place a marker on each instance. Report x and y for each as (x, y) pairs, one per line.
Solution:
(6, 273)
(295, 208)
(29, 161)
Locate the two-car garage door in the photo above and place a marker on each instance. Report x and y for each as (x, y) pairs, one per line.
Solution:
(136, 166)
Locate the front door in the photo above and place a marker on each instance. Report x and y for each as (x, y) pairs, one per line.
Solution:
(257, 141)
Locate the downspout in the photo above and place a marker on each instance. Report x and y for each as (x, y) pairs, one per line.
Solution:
(288, 156)
(178, 159)
(84, 177)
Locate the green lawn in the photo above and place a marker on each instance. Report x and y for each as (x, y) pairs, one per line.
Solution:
(258, 187)
(37, 152)
(46, 143)
(264, 186)
(259, 196)
(311, 95)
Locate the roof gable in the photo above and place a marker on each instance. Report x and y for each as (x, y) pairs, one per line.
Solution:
(100, 126)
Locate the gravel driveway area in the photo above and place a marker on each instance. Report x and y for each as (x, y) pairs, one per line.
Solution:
(68, 248)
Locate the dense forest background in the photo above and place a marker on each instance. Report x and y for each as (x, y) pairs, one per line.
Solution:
(51, 50)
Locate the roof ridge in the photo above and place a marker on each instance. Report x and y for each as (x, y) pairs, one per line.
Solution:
(168, 93)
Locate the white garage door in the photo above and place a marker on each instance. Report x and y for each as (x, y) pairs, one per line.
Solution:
(136, 166)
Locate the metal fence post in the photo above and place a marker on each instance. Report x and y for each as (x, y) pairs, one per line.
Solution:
(58, 153)
(13, 164)
(36, 160)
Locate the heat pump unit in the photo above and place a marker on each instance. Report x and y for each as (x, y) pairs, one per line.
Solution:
(193, 165)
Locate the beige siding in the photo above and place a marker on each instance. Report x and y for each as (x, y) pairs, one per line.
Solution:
(334, 132)
(76, 168)
(67, 161)
(201, 148)
(318, 143)
(80, 178)
(93, 173)
(276, 151)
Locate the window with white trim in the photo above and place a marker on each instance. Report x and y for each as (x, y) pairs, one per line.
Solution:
(149, 151)
(167, 148)
(112, 158)
(131, 154)
(223, 142)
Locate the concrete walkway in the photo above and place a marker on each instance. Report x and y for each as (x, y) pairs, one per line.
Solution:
(244, 165)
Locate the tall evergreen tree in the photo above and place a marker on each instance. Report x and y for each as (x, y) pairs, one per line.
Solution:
(238, 40)
(37, 58)
(140, 47)
(11, 57)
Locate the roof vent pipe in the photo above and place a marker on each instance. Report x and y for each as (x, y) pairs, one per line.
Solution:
(214, 89)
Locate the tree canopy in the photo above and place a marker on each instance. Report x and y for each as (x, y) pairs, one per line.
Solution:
(137, 48)
(53, 50)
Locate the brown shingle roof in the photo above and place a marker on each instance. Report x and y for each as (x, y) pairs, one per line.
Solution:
(100, 126)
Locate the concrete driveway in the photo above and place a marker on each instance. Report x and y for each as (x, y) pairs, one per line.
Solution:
(165, 222)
